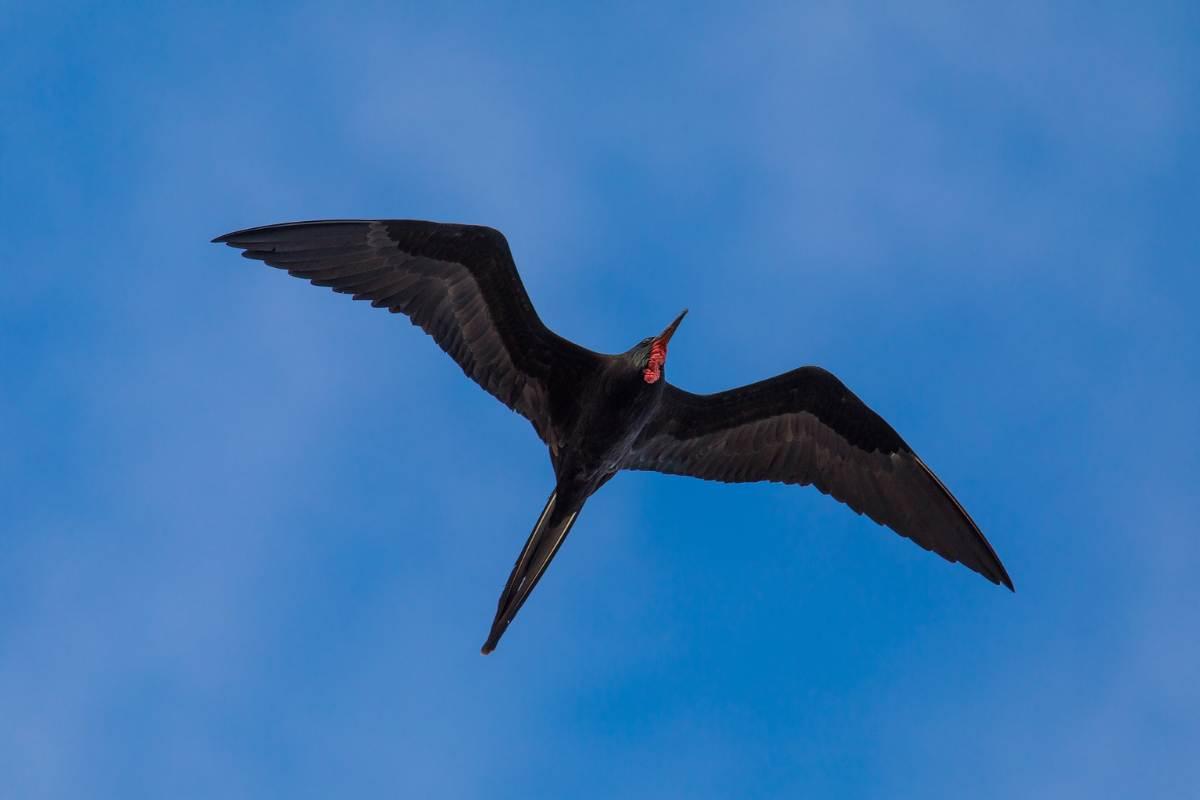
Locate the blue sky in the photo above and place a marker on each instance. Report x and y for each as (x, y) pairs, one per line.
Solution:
(254, 533)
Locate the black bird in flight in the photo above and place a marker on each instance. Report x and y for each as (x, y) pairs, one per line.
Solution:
(602, 413)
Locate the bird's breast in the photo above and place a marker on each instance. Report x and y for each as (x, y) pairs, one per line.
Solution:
(613, 413)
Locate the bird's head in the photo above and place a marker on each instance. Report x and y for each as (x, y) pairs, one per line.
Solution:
(650, 354)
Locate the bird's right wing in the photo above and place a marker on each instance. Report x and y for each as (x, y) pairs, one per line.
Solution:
(457, 282)
(805, 427)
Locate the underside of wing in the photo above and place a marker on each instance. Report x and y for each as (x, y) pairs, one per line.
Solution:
(457, 282)
(805, 427)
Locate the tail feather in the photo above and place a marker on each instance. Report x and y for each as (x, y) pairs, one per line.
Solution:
(540, 548)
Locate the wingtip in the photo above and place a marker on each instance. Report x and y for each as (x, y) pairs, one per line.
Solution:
(233, 237)
(1001, 578)
(487, 648)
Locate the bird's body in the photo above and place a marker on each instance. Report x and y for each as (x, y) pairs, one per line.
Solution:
(598, 413)
(604, 429)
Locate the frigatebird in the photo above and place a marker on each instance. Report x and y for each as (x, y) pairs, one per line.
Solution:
(598, 413)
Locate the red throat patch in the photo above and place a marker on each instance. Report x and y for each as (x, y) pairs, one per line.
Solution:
(658, 357)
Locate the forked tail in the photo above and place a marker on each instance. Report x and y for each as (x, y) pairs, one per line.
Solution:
(548, 534)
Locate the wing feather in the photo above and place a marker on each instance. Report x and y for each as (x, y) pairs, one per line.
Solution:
(805, 427)
(457, 282)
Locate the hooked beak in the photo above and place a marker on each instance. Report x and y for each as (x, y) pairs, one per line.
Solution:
(666, 335)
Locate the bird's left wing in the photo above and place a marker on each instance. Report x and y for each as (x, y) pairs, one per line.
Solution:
(457, 282)
(805, 427)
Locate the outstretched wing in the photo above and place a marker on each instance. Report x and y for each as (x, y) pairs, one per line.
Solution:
(457, 282)
(805, 427)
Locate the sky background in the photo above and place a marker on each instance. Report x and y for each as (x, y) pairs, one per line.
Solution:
(253, 533)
